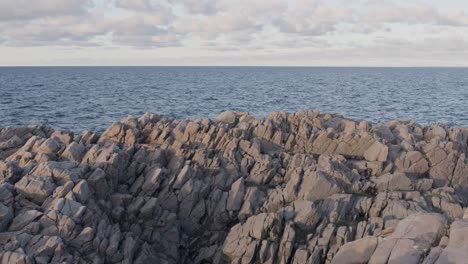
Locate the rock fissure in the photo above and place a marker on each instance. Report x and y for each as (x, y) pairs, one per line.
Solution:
(304, 187)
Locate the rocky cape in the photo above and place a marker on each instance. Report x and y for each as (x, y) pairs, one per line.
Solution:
(305, 187)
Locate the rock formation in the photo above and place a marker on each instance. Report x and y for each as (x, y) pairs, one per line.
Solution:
(305, 187)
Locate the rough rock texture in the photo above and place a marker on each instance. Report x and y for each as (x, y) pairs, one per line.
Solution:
(305, 187)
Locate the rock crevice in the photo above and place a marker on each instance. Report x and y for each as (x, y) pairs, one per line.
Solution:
(305, 187)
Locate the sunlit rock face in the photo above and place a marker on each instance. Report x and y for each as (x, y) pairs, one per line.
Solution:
(305, 187)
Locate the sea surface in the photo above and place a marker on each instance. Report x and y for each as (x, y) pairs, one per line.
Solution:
(78, 98)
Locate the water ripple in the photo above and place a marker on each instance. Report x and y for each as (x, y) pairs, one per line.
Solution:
(80, 98)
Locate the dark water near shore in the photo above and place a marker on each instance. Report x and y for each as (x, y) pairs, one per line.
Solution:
(80, 98)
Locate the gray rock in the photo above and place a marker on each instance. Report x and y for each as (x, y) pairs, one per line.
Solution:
(37, 188)
(81, 191)
(227, 117)
(356, 252)
(74, 152)
(376, 152)
(305, 187)
(236, 195)
(6, 215)
(393, 182)
(317, 185)
(23, 219)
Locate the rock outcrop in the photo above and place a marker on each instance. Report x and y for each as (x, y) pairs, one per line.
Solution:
(305, 187)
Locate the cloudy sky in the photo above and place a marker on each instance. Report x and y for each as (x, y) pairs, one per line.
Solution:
(234, 32)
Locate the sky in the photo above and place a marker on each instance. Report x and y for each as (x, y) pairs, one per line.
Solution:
(234, 32)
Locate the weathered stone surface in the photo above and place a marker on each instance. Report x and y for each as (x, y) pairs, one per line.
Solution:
(227, 117)
(457, 248)
(74, 152)
(412, 163)
(305, 187)
(376, 152)
(413, 236)
(6, 214)
(359, 251)
(81, 191)
(393, 182)
(236, 195)
(23, 219)
(37, 188)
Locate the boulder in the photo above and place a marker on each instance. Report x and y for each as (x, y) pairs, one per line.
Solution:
(74, 152)
(305, 187)
(23, 219)
(81, 191)
(356, 252)
(227, 117)
(393, 182)
(236, 195)
(412, 238)
(6, 215)
(317, 185)
(376, 152)
(37, 188)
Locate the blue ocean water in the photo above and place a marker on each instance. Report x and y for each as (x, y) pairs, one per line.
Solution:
(80, 98)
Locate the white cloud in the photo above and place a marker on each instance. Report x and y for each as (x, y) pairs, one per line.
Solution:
(143, 32)
(54, 31)
(199, 6)
(212, 26)
(137, 5)
(27, 9)
(242, 26)
(145, 6)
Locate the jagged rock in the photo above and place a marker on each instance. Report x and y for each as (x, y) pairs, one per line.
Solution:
(412, 163)
(15, 257)
(74, 152)
(9, 171)
(456, 250)
(6, 214)
(65, 207)
(23, 219)
(120, 133)
(81, 191)
(393, 182)
(85, 236)
(435, 131)
(37, 188)
(152, 180)
(227, 117)
(236, 195)
(311, 186)
(376, 152)
(51, 145)
(433, 255)
(412, 237)
(304, 187)
(356, 252)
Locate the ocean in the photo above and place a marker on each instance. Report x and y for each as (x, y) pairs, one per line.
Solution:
(78, 98)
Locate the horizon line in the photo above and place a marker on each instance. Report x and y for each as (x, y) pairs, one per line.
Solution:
(228, 66)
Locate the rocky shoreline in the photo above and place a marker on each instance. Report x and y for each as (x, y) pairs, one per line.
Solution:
(305, 187)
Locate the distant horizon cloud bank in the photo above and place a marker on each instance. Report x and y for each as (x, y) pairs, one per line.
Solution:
(237, 33)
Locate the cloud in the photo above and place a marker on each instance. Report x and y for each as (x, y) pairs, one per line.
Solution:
(457, 18)
(419, 13)
(26, 9)
(227, 26)
(65, 30)
(144, 31)
(141, 5)
(213, 26)
(207, 7)
(89, 28)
